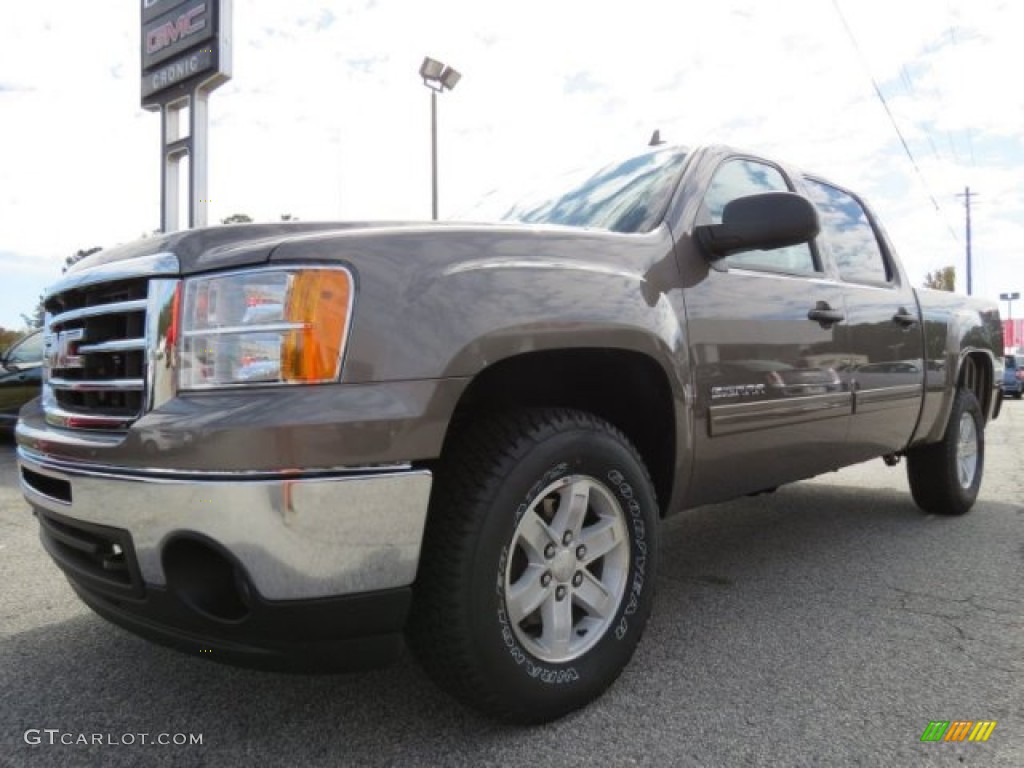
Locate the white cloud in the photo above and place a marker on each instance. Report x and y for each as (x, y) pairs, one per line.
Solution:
(325, 116)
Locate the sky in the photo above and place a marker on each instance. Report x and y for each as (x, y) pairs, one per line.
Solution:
(326, 117)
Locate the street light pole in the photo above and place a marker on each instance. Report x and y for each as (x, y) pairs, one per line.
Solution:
(437, 77)
(1009, 298)
(433, 154)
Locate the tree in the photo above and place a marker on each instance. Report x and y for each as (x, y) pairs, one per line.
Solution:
(245, 218)
(8, 337)
(36, 317)
(941, 279)
(77, 256)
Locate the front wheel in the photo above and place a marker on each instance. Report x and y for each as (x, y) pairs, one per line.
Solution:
(537, 572)
(945, 476)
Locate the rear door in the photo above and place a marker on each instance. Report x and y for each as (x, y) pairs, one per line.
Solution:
(881, 335)
(770, 405)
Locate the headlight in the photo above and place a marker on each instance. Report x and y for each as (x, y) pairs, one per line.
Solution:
(269, 326)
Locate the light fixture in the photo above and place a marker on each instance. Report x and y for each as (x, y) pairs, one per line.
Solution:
(438, 76)
(431, 69)
(450, 78)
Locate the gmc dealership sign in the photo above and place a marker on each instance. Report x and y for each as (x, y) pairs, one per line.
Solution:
(184, 45)
(161, 39)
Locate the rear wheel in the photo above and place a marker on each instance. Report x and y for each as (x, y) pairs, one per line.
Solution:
(536, 576)
(945, 476)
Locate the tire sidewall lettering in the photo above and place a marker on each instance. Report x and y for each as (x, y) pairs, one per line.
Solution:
(614, 479)
(634, 516)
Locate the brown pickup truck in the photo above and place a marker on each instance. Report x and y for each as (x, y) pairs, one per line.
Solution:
(293, 445)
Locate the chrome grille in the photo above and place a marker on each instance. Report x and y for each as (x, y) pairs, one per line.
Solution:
(98, 343)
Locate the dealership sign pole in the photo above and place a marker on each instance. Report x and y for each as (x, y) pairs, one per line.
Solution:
(186, 54)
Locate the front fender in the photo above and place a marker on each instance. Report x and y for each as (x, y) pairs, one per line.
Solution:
(440, 301)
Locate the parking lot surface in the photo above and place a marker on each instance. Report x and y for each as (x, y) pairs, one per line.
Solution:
(826, 624)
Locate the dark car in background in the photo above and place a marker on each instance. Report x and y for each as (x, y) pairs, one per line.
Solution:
(21, 377)
(1013, 376)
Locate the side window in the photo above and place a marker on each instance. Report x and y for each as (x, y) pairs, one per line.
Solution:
(845, 225)
(28, 350)
(742, 177)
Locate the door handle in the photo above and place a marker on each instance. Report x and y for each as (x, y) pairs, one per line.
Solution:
(904, 318)
(824, 314)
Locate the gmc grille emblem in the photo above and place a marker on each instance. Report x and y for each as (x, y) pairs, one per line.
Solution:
(61, 349)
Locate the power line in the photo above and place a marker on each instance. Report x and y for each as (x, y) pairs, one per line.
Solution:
(892, 118)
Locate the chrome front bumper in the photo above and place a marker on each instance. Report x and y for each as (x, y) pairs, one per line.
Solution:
(296, 538)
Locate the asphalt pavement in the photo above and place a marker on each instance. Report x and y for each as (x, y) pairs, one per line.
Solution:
(824, 625)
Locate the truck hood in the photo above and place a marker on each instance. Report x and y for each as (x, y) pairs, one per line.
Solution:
(233, 245)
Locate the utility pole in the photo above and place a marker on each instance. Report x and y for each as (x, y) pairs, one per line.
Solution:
(967, 195)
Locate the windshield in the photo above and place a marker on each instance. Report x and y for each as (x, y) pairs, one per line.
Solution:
(628, 196)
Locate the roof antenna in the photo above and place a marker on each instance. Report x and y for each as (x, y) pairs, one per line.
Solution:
(656, 139)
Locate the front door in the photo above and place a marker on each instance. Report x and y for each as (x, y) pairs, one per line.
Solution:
(770, 404)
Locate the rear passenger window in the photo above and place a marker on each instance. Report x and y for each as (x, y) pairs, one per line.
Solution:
(742, 177)
(845, 225)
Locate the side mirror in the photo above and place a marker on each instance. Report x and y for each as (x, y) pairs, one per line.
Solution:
(763, 221)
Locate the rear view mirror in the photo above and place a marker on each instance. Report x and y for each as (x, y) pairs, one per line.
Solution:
(763, 221)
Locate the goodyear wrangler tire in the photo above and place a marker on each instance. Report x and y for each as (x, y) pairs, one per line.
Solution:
(537, 572)
(945, 476)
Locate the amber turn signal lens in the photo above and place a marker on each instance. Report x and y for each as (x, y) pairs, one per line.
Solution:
(319, 299)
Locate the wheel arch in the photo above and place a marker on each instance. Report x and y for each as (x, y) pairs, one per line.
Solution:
(972, 369)
(976, 373)
(629, 389)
